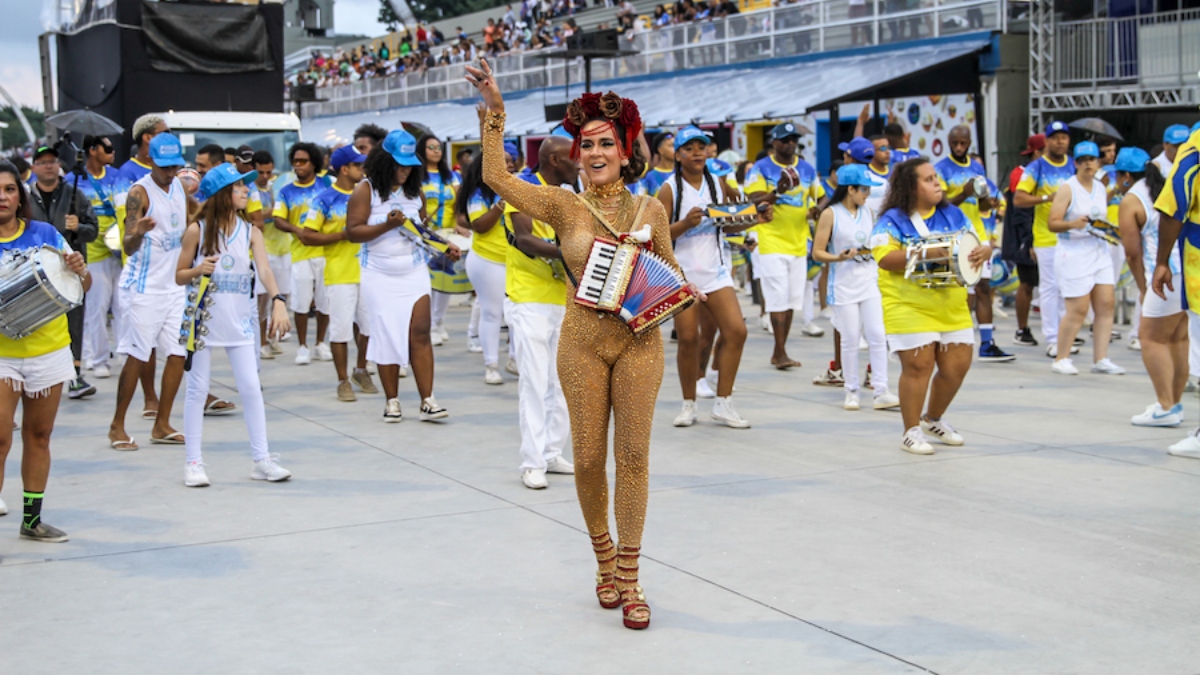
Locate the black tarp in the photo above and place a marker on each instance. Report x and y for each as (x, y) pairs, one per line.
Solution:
(187, 38)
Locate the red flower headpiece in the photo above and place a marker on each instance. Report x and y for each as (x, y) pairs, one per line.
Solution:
(609, 107)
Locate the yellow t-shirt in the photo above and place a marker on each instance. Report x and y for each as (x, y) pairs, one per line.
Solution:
(439, 200)
(327, 214)
(102, 192)
(491, 245)
(292, 205)
(1180, 199)
(53, 336)
(1043, 177)
(532, 279)
(788, 233)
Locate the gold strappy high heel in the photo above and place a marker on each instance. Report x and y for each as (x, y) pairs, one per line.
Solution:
(606, 590)
(635, 612)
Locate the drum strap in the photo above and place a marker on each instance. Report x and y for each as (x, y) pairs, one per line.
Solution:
(918, 224)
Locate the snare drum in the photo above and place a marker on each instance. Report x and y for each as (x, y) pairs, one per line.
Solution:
(36, 287)
(447, 276)
(942, 260)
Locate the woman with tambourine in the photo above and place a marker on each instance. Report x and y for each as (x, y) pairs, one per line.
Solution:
(927, 328)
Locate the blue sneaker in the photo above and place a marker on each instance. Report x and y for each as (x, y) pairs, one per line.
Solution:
(988, 351)
(1155, 416)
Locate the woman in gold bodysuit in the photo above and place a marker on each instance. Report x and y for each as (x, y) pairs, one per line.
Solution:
(602, 365)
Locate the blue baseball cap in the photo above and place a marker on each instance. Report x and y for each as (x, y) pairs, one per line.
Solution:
(718, 168)
(859, 148)
(856, 174)
(1131, 160)
(166, 150)
(785, 130)
(1086, 149)
(688, 134)
(1176, 134)
(562, 133)
(1057, 127)
(402, 147)
(343, 156)
(220, 177)
(511, 150)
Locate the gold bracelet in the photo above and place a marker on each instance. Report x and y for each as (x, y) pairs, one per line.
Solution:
(494, 121)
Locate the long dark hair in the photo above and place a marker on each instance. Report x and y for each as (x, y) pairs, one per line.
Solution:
(443, 167)
(717, 195)
(381, 169)
(1154, 179)
(902, 187)
(216, 211)
(839, 194)
(473, 180)
(23, 208)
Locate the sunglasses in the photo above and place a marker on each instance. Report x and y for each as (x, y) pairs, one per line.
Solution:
(883, 148)
(300, 161)
(433, 147)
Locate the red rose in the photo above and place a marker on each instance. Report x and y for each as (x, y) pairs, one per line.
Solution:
(611, 105)
(630, 118)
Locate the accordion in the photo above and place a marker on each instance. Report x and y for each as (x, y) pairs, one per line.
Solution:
(632, 283)
(733, 215)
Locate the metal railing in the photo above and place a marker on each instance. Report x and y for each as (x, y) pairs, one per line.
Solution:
(1152, 50)
(807, 27)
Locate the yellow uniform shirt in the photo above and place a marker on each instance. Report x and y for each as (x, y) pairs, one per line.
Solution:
(327, 214)
(292, 205)
(532, 279)
(1042, 178)
(439, 200)
(491, 245)
(53, 336)
(788, 233)
(1180, 199)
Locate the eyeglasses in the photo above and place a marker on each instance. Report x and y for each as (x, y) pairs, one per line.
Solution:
(46, 162)
(883, 148)
(433, 147)
(300, 161)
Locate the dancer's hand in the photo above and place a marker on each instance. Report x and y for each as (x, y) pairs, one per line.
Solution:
(1162, 279)
(980, 255)
(76, 263)
(280, 323)
(482, 79)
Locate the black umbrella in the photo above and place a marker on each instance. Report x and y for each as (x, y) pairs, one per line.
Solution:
(85, 122)
(1096, 126)
(417, 129)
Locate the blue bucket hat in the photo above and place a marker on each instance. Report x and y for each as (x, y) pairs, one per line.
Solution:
(1176, 134)
(1131, 160)
(1086, 149)
(511, 150)
(859, 148)
(856, 174)
(343, 156)
(562, 133)
(688, 134)
(166, 150)
(220, 177)
(1057, 127)
(402, 147)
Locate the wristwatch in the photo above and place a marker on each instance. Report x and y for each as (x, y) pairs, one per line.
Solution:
(279, 296)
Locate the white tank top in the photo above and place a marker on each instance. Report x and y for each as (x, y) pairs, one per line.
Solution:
(1092, 204)
(878, 194)
(151, 269)
(393, 252)
(856, 279)
(1150, 232)
(232, 321)
(701, 249)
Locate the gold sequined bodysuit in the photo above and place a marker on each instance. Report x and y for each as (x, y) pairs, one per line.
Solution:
(601, 364)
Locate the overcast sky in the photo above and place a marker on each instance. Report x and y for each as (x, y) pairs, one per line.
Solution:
(20, 70)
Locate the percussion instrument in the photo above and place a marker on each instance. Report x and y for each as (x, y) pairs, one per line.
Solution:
(942, 260)
(451, 276)
(1004, 275)
(733, 215)
(191, 333)
(36, 287)
(1104, 231)
(789, 178)
(632, 282)
(189, 178)
(112, 239)
(982, 191)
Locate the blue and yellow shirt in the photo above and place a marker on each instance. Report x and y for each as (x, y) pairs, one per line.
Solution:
(327, 214)
(53, 336)
(654, 179)
(102, 192)
(1043, 177)
(1180, 199)
(903, 155)
(439, 200)
(292, 205)
(954, 177)
(908, 307)
(789, 232)
(532, 279)
(491, 245)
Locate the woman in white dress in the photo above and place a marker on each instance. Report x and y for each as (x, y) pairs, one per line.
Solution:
(220, 245)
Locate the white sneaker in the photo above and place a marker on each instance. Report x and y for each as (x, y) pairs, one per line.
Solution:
(851, 401)
(404, 371)
(511, 367)
(391, 411)
(445, 333)
(303, 357)
(914, 441)
(560, 465)
(265, 352)
(1188, 447)
(941, 430)
(435, 337)
(1105, 366)
(1155, 416)
(813, 330)
(194, 476)
(491, 375)
(724, 413)
(827, 312)
(273, 343)
(3, 508)
(268, 470)
(764, 322)
(474, 346)
(1052, 350)
(1064, 367)
(285, 337)
(687, 416)
(703, 389)
(534, 479)
(101, 372)
(324, 353)
(886, 401)
(1134, 344)
(430, 410)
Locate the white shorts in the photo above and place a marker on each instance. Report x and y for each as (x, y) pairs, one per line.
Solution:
(1081, 266)
(1154, 307)
(710, 281)
(906, 341)
(37, 375)
(281, 267)
(783, 278)
(346, 308)
(308, 284)
(150, 322)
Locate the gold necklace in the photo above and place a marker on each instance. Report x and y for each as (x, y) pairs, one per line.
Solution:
(612, 189)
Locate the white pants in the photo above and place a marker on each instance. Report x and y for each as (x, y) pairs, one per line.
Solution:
(487, 278)
(1193, 343)
(245, 373)
(308, 286)
(545, 427)
(438, 302)
(101, 297)
(1049, 299)
(863, 318)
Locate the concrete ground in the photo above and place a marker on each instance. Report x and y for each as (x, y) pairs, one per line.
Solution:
(1059, 539)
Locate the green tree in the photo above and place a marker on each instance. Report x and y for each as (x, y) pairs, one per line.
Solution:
(14, 134)
(387, 16)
